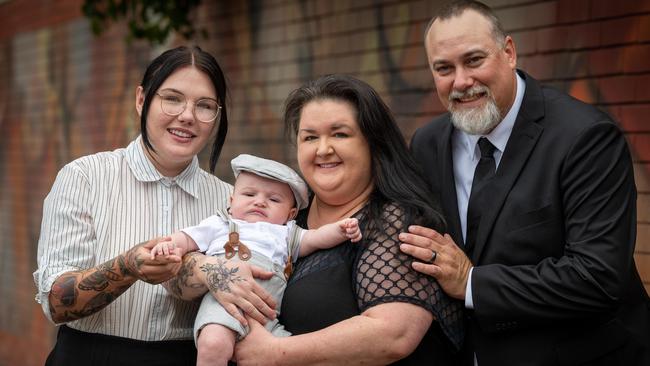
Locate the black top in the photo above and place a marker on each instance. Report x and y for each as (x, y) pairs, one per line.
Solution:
(332, 285)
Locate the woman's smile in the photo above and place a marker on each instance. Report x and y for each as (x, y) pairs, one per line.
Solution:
(328, 165)
(181, 134)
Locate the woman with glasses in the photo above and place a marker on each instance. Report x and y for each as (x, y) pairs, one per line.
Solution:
(95, 273)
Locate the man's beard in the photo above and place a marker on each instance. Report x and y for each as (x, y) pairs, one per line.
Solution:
(478, 120)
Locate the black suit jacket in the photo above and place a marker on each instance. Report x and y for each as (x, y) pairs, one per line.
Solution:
(554, 281)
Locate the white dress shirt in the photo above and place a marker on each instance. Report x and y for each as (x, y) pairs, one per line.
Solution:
(466, 154)
(270, 240)
(103, 204)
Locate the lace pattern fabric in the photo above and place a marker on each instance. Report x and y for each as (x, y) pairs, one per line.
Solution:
(383, 274)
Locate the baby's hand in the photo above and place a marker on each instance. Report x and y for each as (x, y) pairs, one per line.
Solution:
(351, 229)
(165, 247)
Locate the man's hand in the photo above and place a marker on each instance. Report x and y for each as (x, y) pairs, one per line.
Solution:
(450, 265)
(138, 262)
(232, 284)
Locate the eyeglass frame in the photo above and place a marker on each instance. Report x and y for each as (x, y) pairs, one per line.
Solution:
(217, 115)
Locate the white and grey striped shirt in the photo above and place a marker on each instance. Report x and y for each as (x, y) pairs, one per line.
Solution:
(103, 204)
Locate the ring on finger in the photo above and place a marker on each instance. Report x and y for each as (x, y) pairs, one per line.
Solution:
(434, 254)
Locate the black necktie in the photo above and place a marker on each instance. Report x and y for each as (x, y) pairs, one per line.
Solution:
(484, 172)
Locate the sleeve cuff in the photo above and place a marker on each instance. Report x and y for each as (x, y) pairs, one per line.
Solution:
(469, 302)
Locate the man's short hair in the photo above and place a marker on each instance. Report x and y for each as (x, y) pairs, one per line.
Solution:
(456, 8)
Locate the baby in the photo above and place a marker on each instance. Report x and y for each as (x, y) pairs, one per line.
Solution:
(260, 228)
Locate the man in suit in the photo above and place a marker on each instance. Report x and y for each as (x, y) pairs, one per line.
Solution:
(539, 195)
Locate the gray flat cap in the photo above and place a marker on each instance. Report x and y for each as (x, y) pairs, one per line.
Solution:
(273, 170)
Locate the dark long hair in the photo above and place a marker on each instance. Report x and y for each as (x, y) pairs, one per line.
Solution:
(164, 65)
(396, 176)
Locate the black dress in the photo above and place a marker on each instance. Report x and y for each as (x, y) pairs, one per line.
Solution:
(332, 285)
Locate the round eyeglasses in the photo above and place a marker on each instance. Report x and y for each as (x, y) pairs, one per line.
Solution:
(173, 104)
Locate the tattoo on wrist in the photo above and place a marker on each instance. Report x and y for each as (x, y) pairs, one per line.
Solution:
(175, 285)
(219, 277)
(131, 262)
(124, 268)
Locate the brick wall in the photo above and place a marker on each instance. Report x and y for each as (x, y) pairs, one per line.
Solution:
(65, 93)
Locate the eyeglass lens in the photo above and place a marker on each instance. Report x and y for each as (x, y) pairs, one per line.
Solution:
(173, 104)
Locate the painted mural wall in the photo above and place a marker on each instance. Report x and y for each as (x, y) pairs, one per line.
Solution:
(65, 93)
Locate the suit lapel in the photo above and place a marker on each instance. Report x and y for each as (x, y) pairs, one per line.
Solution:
(523, 138)
(448, 188)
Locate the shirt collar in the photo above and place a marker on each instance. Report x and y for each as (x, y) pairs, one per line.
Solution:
(187, 179)
(501, 133)
(144, 170)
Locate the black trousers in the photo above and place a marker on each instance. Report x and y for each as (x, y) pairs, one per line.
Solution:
(74, 347)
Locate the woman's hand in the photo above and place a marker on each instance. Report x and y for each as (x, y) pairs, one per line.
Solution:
(140, 264)
(231, 283)
(234, 286)
(259, 347)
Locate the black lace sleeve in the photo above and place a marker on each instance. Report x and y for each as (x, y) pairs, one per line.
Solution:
(384, 274)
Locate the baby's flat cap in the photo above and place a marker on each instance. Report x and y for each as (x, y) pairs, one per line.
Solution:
(273, 170)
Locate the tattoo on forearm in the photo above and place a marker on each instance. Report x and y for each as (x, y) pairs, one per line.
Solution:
(99, 279)
(176, 284)
(67, 290)
(219, 277)
(98, 302)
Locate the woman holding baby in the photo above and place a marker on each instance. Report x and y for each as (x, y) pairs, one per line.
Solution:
(359, 303)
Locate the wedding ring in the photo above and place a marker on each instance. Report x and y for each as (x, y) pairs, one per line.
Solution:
(434, 254)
